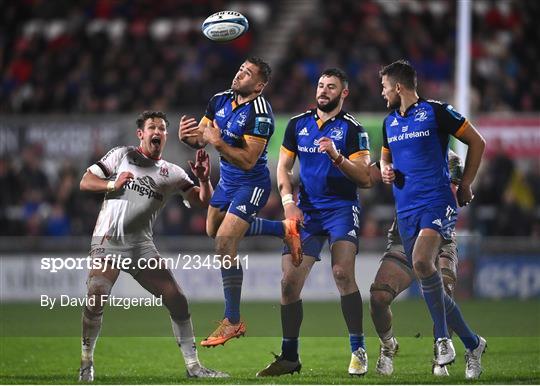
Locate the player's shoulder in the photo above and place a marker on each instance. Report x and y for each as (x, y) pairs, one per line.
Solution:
(118, 151)
(351, 120)
(223, 95)
(445, 108)
(261, 106)
(435, 104)
(301, 117)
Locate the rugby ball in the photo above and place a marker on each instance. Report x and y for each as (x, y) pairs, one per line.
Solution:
(225, 26)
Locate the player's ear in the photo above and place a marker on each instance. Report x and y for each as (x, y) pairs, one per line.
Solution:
(259, 87)
(140, 134)
(345, 93)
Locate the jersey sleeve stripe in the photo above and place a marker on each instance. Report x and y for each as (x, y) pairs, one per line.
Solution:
(254, 139)
(265, 107)
(385, 150)
(257, 103)
(103, 169)
(301, 115)
(205, 120)
(358, 154)
(290, 153)
(350, 118)
(462, 129)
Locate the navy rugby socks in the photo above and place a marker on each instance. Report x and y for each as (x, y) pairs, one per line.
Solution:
(351, 306)
(455, 321)
(291, 320)
(232, 290)
(262, 227)
(432, 289)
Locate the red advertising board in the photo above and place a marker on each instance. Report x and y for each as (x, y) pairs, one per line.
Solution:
(517, 137)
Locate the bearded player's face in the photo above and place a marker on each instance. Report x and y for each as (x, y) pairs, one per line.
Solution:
(153, 136)
(389, 93)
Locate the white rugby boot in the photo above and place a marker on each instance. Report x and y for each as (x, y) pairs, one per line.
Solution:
(385, 363)
(445, 353)
(473, 358)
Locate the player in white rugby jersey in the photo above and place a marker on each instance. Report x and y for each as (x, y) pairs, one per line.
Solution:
(138, 183)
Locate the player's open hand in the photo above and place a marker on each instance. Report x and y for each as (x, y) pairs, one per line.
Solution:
(187, 129)
(388, 174)
(326, 145)
(201, 167)
(464, 195)
(122, 179)
(212, 133)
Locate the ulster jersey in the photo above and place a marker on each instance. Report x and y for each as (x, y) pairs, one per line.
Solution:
(128, 215)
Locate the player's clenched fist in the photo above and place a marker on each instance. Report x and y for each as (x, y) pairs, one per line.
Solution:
(201, 167)
(464, 195)
(122, 179)
(388, 174)
(212, 133)
(326, 145)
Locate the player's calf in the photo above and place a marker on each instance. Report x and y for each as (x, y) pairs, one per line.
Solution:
(92, 317)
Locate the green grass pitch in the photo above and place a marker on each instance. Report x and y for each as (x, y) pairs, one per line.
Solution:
(43, 346)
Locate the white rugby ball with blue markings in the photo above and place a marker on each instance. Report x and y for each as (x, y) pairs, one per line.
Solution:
(225, 26)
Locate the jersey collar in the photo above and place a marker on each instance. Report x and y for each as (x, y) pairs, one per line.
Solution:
(140, 150)
(414, 105)
(236, 105)
(320, 122)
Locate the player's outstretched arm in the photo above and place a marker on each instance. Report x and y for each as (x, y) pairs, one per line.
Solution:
(201, 195)
(243, 157)
(191, 133)
(285, 185)
(476, 143)
(92, 183)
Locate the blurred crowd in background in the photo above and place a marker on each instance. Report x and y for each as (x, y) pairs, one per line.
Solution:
(109, 56)
(38, 203)
(126, 55)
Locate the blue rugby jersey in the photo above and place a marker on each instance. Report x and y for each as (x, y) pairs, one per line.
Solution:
(322, 184)
(418, 144)
(251, 120)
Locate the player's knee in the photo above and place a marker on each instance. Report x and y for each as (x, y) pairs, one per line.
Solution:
(423, 267)
(99, 287)
(224, 245)
(381, 295)
(211, 230)
(342, 278)
(289, 290)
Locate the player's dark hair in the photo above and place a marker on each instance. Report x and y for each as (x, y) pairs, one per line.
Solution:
(338, 73)
(401, 72)
(151, 114)
(264, 68)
